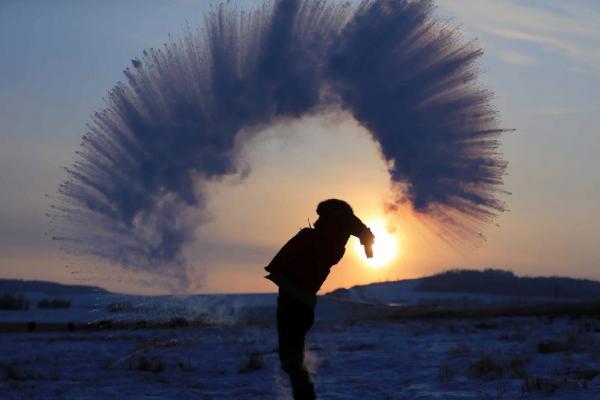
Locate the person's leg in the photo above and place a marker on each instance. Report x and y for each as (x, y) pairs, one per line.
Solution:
(294, 319)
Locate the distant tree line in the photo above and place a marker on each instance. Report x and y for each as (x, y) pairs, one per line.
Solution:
(13, 302)
(18, 302)
(502, 282)
(54, 303)
(48, 288)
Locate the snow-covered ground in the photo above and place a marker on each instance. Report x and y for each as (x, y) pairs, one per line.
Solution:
(109, 306)
(352, 354)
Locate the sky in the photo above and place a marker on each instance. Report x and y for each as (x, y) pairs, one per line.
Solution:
(542, 61)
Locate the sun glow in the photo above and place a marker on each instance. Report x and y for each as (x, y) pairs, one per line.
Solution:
(385, 248)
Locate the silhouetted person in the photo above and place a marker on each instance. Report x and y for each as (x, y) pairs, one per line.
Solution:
(299, 269)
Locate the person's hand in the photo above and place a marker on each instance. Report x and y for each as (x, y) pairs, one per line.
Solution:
(367, 237)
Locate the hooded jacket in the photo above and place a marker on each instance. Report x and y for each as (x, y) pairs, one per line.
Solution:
(304, 262)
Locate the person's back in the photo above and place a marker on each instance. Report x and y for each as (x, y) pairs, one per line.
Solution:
(306, 259)
(299, 269)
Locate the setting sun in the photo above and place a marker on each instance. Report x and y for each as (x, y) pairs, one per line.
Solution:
(385, 248)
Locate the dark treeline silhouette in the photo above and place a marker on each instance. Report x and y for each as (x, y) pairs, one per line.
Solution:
(13, 302)
(54, 303)
(501, 282)
(48, 288)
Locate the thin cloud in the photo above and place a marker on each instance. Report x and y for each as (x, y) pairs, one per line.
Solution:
(517, 58)
(556, 111)
(570, 29)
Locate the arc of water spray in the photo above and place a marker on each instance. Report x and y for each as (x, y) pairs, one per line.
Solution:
(407, 78)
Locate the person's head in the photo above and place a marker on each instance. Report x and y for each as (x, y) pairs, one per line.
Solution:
(337, 215)
(337, 218)
(334, 208)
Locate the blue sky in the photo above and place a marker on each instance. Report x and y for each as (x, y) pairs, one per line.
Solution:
(542, 60)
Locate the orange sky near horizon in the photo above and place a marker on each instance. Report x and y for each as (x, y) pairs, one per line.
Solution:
(250, 219)
(292, 166)
(540, 60)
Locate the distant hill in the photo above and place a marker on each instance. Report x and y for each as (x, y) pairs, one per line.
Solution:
(48, 288)
(500, 282)
(488, 285)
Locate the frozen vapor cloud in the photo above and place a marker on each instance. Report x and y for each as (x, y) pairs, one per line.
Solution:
(178, 119)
